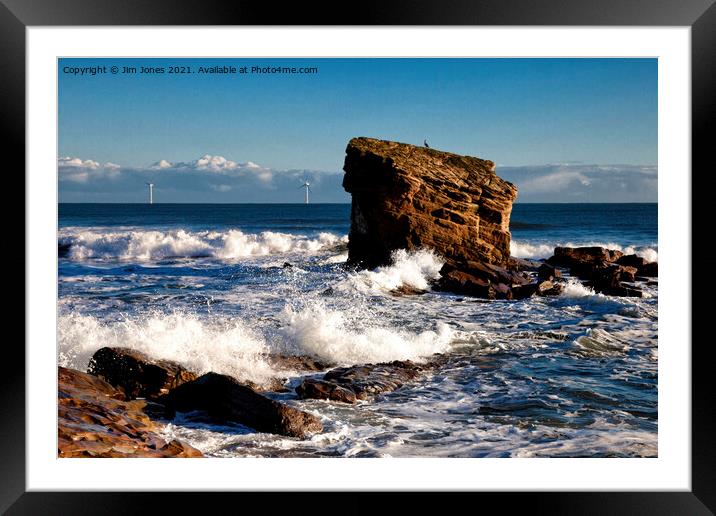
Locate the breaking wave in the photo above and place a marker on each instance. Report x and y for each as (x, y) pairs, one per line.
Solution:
(150, 245)
(414, 269)
(231, 346)
(328, 334)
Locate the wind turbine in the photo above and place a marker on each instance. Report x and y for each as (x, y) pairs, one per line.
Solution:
(151, 196)
(307, 186)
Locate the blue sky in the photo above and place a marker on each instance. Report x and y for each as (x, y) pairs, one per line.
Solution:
(564, 130)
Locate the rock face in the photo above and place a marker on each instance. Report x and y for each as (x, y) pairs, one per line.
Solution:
(95, 420)
(137, 374)
(409, 197)
(224, 398)
(348, 384)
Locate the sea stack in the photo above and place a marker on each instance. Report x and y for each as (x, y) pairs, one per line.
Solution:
(409, 197)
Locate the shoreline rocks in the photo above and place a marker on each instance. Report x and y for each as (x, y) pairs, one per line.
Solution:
(137, 375)
(349, 384)
(96, 420)
(607, 271)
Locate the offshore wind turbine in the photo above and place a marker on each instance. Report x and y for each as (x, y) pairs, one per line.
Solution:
(307, 186)
(151, 192)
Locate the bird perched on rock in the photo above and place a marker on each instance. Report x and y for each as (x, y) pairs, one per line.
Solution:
(425, 142)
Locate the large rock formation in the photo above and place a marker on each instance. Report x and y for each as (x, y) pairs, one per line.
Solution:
(408, 197)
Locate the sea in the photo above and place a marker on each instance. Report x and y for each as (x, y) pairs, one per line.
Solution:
(209, 286)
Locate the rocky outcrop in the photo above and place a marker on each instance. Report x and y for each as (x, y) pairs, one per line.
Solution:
(348, 384)
(409, 197)
(96, 420)
(137, 374)
(606, 270)
(224, 398)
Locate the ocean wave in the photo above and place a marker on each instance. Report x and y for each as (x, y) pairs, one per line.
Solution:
(413, 269)
(149, 245)
(230, 345)
(328, 334)
(597, 342)
(542, 250)
(221, 345)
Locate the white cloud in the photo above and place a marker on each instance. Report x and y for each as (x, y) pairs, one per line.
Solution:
(161, 164)
(78, 170)
(206, 179)
(77, 163)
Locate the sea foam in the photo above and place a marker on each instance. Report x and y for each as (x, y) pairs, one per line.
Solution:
(413, 269)
(230, 345)
(148, 245)
(325, 333)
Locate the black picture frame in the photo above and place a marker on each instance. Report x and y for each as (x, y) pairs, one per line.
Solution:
(700, 15)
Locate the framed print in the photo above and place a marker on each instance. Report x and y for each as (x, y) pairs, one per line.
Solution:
(418, 249)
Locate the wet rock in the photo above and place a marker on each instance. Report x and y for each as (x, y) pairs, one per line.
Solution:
(608, 280)
(270, 385)
(632, 260)
(650, 269)
(520, 264)
(642, 266)
(95, 420)
(549, 288)
(364, 381)
(407, 290)
(460, 282)
(569, 256)
(600, 267)
(548, 272)
(322, 390)
(137, 374)
(224, 398)
(482, 280)
(296, 362)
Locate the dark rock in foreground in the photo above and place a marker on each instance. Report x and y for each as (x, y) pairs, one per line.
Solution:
(348, 384)
(224, 398)
(95, 420)
(136, 373)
